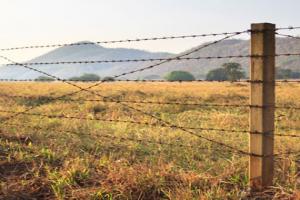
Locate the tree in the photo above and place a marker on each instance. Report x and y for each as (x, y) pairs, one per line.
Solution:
(228, 71)
(233, 71)
(218, 74)
(44, 78)
(179, 76)
(108, 79)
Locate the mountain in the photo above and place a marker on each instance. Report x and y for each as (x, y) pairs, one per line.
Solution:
(228, 48)
(198, 67)
(81, 53)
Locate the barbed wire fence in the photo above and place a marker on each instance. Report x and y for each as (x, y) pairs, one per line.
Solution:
(159, 122)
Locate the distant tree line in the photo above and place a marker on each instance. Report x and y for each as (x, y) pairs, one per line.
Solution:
(234, 71)
(287, 74)
(84, 77)
(228, 72)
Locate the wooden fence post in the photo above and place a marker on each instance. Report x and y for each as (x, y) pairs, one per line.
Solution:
(262, 103)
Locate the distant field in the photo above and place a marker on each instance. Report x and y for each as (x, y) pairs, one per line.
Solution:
(57, 158)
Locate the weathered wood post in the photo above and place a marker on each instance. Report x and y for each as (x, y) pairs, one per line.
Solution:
(262, 103)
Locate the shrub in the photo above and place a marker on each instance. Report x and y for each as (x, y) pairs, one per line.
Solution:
(179, 76)
(218, 74)
(108, 79)
(229, 71)
(233, 71)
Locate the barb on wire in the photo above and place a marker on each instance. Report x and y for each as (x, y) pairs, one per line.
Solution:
(122, 41)
(288, 28)
(287, 54)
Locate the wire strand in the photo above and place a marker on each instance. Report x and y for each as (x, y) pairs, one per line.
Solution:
(48, 98)
(148, 59)
(288, 36)
(122, 41)
(123, 121)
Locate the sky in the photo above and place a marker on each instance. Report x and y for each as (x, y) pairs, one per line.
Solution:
(30, 22)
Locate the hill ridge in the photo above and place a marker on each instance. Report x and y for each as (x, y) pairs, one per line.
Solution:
(97, 52)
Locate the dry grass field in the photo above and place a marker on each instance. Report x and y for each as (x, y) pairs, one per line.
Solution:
(44, 157)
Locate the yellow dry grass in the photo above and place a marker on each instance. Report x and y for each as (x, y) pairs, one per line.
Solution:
(51, 158)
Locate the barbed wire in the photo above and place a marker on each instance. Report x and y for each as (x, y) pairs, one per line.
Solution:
(128, 139)
(122, 80)
(111, 80)
(129, 101)
(140, 123)
(150, 59)
(166, 123)
(288, 28)
(111, 137)
(123, 41)
(48, 98)
(288, 81)
(152, 116)
(228, 147)
(288, 36)
(135, 40)
(145, 123)
(137, 140)
(123, 74)
(276, 135)
(124, 121)
(288, 135)
(133, 60)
